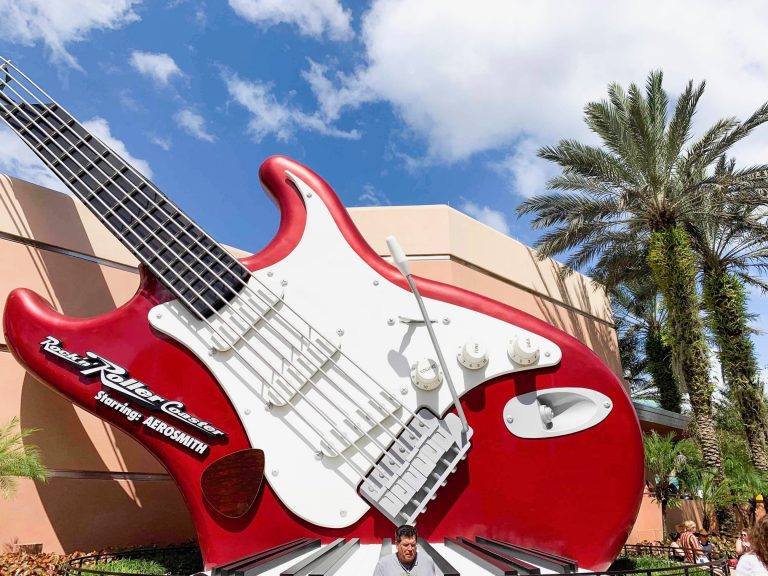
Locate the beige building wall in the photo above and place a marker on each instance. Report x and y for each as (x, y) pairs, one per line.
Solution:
(106, 490)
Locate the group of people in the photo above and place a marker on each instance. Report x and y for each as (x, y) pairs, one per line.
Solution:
(694, 546)
(691, 545)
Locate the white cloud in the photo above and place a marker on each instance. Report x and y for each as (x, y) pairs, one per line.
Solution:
(193, 124)
(160, 67)
(349, 92)
(163, 142)
(100, 128)
(472, 77)
(493, 218)
(19, 161)
(373, 197)
(57, 23)
(526, 173)
(313, 18)
(270, 117)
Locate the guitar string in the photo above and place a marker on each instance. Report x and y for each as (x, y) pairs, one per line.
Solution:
(322, 437)
(343, 437)
(195, 240)
(301, 336)
(317, 368)
(350, 421)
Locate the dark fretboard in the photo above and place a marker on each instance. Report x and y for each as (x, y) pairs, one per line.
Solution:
(186, 259)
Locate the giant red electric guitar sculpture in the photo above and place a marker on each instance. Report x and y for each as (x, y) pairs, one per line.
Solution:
(310, 365)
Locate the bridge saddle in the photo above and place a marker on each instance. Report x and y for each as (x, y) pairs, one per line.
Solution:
(415, 466)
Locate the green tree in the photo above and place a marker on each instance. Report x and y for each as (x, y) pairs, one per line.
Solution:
(16, 459)
(640, 318)
(665, 457)
(728, 256)
(641, 187)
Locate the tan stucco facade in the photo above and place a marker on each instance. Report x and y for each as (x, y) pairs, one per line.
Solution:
(106, 490)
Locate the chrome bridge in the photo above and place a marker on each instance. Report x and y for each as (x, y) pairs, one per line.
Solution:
(415, 466)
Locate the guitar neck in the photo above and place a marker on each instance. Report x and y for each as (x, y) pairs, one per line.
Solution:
(192, 265)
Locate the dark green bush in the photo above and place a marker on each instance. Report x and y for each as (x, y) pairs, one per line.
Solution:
(130, 566)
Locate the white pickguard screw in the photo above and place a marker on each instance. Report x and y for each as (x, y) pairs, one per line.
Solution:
(247, 411)
(403, 390)
(319, 455)
(309, 194)
(547, 354)
(268, 406)
(340, 332)
(343, 513)
(270, 273)
(375, 282)
(391, 321)
(159, 315)
(607, 404)
(446, 321)
(275, 472)
(510, 419)
(283, 282)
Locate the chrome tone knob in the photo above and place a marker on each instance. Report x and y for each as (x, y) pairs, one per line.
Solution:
(426, 374)
(473, 355)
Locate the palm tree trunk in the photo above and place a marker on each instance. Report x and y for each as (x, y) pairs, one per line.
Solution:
(674, 268)
(725, 300)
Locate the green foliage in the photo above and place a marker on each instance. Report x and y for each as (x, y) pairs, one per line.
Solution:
(666, 457)
(130, 566)
(645, 563)
(648, 177)
(725, 301)
(16, 459)
(659, 361)
(713, 494)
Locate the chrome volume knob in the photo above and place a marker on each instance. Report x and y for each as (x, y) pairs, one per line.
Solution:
(473, 355)
(426, 374)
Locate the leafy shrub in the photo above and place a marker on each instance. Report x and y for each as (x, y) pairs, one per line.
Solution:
(130, 566)
(645, 563)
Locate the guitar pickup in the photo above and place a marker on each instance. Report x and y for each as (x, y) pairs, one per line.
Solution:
(415, 466)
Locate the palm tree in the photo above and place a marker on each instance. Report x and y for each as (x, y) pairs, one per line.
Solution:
(664, 458)
(16, 459)
(640, 324)
(640, 187)
(728, 254)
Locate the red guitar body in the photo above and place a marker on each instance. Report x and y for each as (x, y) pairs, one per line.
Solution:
(576, 495)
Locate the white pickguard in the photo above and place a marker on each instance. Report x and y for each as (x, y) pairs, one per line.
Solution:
(326, 285)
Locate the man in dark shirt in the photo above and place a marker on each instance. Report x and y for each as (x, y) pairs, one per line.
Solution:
(405, 560)
(706, 545)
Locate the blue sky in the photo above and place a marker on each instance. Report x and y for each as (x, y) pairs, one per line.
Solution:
(391, 101)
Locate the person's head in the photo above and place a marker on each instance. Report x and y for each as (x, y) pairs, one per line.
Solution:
(690, 525)
(674, 536)
(405, 543)
(703, 536)
(679, 528)
(744, 535)
(758, 538)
